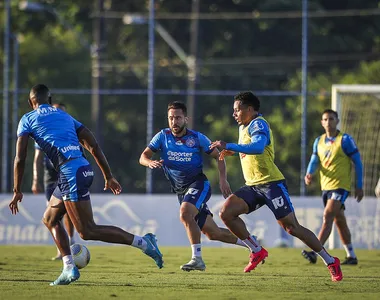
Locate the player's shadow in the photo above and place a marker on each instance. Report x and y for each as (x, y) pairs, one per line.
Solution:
(23, 280)
(92, 283)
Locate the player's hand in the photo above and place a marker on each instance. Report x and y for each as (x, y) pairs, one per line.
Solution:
(308, 179)
(154, 164)
(218, 144)
(36, 188)
(113, 185)
(359, 195)
(225, 153)
(225, 188)
(13, 205)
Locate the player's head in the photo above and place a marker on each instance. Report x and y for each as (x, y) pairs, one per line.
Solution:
(329, 120)
(60, 105)
(246, 107)
(39, 94)
(177, 117)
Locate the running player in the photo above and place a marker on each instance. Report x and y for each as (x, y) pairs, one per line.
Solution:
(333, 152)
(265, 184)
(60, 136)
(181, 159)
(41, 161)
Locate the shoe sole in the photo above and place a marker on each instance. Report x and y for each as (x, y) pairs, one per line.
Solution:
(260, 263)
(188, 269)
(73, 279)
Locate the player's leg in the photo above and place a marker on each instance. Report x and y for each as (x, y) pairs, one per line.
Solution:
(331, 210)
(69, 228)
(244, 201)
(193, 216)
(76, 177)
(345, 236)
(49, 189)
(279, 203)
(52, 220)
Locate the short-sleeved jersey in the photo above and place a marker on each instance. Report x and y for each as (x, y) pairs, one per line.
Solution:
(54, 131)
(258, 168)
(50, 173)
(182, 156)
(334, 155)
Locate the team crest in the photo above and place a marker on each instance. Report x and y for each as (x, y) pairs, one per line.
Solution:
(190, 142)
(257, 126)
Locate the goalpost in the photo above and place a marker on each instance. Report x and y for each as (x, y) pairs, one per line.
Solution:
(358, 108)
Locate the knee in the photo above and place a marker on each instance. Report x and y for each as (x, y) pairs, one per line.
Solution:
(291, 229)
(328, 218)
(225, 214)
(85, 234)
(49, 221)
(186, 217)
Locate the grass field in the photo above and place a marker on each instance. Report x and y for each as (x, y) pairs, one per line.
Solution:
(125, 273)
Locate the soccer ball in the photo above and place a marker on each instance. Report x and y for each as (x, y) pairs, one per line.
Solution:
(80, 254)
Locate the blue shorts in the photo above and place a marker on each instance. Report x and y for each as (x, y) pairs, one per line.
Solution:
(51, 188)
(338, 195)
(273, 194)
(74, 179)
(198, 193)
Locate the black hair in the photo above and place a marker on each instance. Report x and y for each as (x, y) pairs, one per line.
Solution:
(248, 99)
(330, 111)
(178, 105)
(41, 92)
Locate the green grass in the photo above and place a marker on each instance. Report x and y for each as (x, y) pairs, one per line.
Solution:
(125, 273)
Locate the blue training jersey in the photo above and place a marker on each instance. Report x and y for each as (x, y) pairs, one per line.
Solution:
(183, 162)
(54, 131)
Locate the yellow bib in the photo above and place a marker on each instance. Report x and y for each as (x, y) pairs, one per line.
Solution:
(258, 168)
(335, 169)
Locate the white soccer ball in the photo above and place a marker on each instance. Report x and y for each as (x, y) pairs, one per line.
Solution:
(81, 255)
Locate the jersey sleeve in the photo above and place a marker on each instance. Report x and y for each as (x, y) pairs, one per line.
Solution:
(155, 143)
(78, 125)
(204, 143)
(259, 127)
(348, 145)
(23, 127)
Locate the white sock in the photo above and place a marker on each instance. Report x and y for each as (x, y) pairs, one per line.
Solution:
(68, 261)
(252, 244)
(239, 242)
(196, 250)
(139, 242)
(327, 258)
(349, 250)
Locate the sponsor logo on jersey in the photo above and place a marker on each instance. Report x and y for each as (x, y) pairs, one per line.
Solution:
(70, 148)
(179, 156)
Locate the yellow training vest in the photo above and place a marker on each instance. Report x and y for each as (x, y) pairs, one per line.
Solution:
(258, 168)
(335, 170)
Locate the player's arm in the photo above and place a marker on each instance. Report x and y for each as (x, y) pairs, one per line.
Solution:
(313, 163)
(223, 183)
(147, 161)
(37, 170)
(88, 141)
(350, 149)
(257, 145)
(19, 168)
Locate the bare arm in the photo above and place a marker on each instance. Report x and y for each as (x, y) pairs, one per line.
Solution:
(37, 171)
(88, 141)
(19, 168)
(223, 183)
(146, 159)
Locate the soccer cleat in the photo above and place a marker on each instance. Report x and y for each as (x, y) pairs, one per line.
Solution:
(350, 261)
(255, 259)
(335, 271)
(195, 264)
(311, 256)
(67, 276)
(152, 249)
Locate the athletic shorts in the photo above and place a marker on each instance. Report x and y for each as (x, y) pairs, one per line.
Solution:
(74, 179)
(338, 195)
(198, 193)
(51, 188)
(273, 194)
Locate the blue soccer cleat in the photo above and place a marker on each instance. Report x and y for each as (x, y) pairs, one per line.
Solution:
(152, 249)
(67, 276)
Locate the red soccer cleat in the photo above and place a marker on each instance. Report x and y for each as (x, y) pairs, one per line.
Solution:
(335, 271)
(255, 259)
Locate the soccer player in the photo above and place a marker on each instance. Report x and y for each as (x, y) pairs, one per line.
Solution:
(265, 184)
(181, 159)
(333, 152)
(41, 161)
(377, 189)
(60, 137)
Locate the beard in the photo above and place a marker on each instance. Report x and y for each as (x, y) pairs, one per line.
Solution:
(178, 129)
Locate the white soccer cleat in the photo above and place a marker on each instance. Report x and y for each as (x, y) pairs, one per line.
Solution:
(195, 264)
